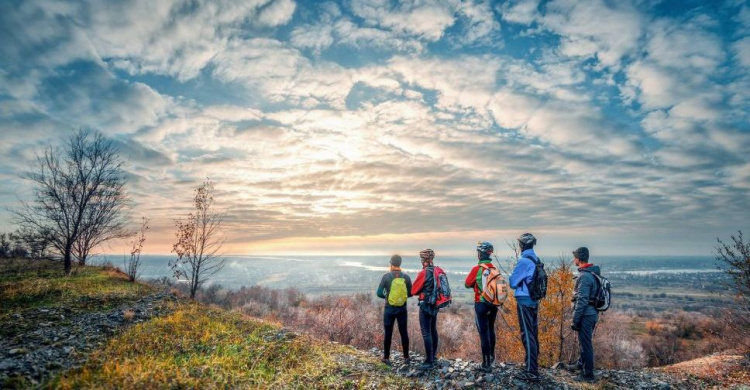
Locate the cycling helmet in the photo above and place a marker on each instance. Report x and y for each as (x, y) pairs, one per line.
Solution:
(485, 249)
(427, 254)
(527, 239)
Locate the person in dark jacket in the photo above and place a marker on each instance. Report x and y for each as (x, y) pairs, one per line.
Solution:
(395, 313)
(423, 287)
(527, 308)
(585, 315)
(485, 312)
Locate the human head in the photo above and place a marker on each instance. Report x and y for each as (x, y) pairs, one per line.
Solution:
(581, 255)
(526, 241)
(426, 255)
(396, 260)
(484, 250)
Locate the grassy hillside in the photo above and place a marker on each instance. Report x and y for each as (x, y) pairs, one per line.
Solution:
(186, 345)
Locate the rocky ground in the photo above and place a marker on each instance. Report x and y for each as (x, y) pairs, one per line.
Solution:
(461, 374)
(37, 343)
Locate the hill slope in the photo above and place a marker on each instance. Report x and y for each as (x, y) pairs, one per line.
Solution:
(96, 330)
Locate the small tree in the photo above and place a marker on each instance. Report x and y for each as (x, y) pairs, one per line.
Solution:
(133, 264)
(199, 243)
(78, 196)
(734, 259)
(556, 314)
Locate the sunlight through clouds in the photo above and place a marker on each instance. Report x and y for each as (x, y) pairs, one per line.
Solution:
(365, 125)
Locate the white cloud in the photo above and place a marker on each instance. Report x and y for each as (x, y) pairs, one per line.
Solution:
(426, 20)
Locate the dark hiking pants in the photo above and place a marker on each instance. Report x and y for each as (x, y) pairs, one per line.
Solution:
(586, 342)
(527, 321)
(392, 315)
(428, 326)
(486, 314)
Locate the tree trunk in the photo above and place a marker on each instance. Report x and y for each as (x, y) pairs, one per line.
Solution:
(82, 260)
(67, 261)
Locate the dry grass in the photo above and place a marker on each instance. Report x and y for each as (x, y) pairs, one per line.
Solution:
(198, 347)
(42, 284)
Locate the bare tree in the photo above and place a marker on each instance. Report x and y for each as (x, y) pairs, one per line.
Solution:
(199, 243)
(79, 195)
(734, 259)
(35, 243)
(133, 264)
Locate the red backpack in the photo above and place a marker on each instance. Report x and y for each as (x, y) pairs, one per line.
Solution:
(441, 290)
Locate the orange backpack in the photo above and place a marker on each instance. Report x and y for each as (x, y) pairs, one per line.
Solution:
(494, 286)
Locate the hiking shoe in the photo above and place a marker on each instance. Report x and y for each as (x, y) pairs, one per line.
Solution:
(527, 376)
(407, 360)
(585, 378)
(426, 366)
(385, 361)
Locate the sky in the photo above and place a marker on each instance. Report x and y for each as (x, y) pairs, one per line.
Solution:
(376, 126)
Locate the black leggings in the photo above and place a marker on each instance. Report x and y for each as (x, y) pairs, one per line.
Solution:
(390, 315)
(486, 314)
(428, 326)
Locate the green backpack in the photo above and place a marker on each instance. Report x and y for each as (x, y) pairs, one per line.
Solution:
(397, 292)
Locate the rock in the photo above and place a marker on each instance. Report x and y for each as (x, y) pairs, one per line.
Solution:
(17, 351)
(558, 366)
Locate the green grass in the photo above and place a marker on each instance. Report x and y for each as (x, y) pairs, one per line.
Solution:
(42, 284)
(192, 347)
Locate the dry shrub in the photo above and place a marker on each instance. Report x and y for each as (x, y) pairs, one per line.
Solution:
(615, 346)
(128, 315)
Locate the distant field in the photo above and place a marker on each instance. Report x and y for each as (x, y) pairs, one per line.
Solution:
(690, 283)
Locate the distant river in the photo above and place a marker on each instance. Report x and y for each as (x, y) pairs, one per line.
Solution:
(345, 274)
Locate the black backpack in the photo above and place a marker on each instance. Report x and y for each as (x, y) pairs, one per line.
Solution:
(538, 286)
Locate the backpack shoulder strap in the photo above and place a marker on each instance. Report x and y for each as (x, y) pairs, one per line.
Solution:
(533, 260)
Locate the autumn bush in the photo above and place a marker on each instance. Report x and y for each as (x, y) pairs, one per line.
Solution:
(622, 340)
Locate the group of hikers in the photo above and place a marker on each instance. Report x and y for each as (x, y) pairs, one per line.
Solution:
(529, 282)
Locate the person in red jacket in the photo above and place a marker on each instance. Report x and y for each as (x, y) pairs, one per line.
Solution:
(486, 313)
(423, 287)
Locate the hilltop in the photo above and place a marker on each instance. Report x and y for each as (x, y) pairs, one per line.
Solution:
(94, 329)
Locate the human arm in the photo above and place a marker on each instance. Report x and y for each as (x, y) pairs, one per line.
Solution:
(471, 278)
(418, 285)
(524, 268)
(382, 287)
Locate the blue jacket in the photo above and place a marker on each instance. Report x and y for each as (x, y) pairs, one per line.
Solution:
(523, 275)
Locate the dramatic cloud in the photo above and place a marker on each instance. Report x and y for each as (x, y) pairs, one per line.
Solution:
(362, 124)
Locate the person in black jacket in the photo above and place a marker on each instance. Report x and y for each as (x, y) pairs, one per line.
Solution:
(585, 315)
(394, 314)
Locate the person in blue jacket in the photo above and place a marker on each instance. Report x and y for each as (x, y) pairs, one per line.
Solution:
(528, 309)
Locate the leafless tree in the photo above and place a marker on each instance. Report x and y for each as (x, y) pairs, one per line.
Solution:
(35, 243)
(79, 196)
(199, 241)
(734, 259)
(133, 264)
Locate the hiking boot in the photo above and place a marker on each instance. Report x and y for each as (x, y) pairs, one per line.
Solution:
(527, 376)
(585, 378)
(426, 366)
(486, 367)
(386, 361)
(492, 361)
(407, 360)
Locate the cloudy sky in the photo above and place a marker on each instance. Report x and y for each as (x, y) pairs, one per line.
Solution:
(372, 126)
